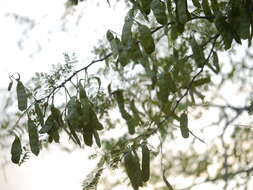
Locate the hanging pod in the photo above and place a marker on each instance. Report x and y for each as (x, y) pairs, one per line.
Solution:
(133, 170)
(16, 150)
(184, 125)
(145, 166)
(22, 96)
(33, 137)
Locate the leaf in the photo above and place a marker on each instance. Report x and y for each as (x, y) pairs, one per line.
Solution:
(198, 53)
(133, 170)
(33, 137)
(145, 169)
(159, 10)
(184, 125)
(181, 11)
(146, 39)
(16, 150)
(223, 28)
(215, 67)
(22, 96)
(201, 81)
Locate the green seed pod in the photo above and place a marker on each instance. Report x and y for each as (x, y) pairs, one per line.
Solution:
(133, 170)
(159, 9)
(146, 39)
(184, 125)
(87, 136)
(39, 113)
(22, 96)
(97, 139)
(145, 169)
(145, 5)
(10, 86)
(16, 150)
(33, 137)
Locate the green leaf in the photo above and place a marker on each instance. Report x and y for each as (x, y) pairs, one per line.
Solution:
(146, 39)
(22, 96)
(16, 150)
(181, 11)
(33, 137)
(159, 10)
(201, 81)
(184, 125)
(223, 28)
(198, 53)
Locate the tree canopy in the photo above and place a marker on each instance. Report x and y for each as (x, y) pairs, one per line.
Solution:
(147, 86)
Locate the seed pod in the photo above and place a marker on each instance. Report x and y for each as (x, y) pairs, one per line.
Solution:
(145, 5)
(109, 36)
(39, 113)
(97, 139)
(87, 136)
(33, 137)
(146, 39)
(145, 163)
(16, 150)
(181, 11)
(159, 9)
(133, 170)
(206, 8)
(10, 86)
(184, 125)
(22, 96)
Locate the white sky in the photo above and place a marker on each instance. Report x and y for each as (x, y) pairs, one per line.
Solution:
(57, 169)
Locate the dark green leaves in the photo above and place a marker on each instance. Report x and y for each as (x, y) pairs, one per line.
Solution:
(159, 9)
(22, 96)
(146, 39)
(184, 125)
(16, 150)
(33, 137)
